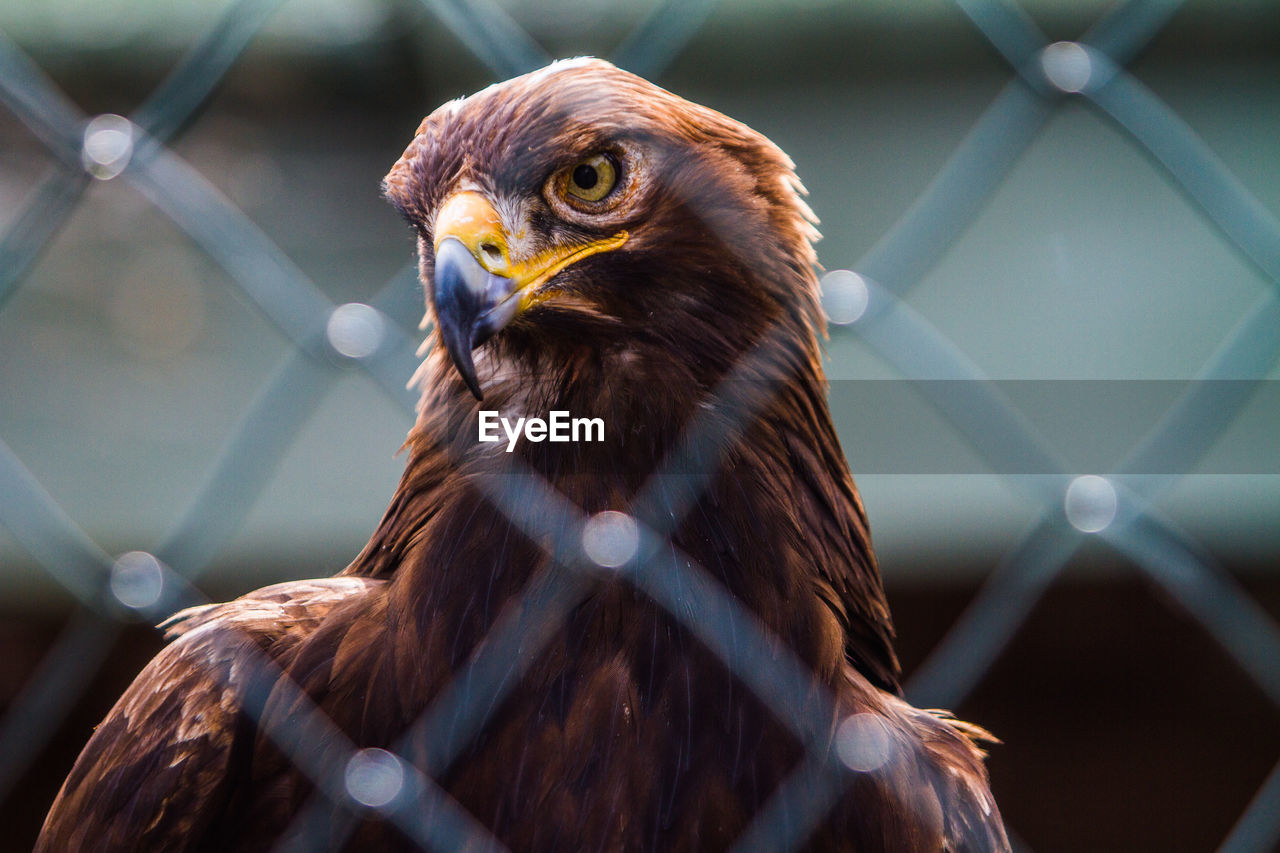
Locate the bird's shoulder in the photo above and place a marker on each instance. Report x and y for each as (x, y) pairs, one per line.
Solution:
(158, 769)
(972, 821)
(271, 615)
(929, 775)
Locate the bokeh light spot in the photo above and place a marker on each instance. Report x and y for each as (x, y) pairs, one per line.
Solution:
(844, 296)
(611, 538)
(864, 742)
(1067, 66)
(137, 580)
(1090, 503)
(356, 330)
(108, 146)
(374, 777)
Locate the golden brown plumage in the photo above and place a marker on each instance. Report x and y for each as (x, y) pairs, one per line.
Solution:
(626, 292)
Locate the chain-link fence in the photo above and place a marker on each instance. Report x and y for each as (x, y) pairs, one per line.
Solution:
(869, 301)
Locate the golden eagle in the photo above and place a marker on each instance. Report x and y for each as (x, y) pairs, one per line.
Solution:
(594, 245)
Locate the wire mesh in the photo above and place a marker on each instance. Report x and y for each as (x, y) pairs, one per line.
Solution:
(1092, 69)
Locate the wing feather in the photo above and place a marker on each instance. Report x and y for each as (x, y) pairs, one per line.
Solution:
(160, 768)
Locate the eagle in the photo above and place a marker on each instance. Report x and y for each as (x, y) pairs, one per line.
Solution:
(592, 244)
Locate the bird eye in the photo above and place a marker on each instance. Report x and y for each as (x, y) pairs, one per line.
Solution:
(593, 178)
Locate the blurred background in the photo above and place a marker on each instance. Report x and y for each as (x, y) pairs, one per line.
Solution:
(1072, 267)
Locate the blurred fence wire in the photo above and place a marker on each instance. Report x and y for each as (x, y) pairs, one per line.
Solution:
(1116, 507)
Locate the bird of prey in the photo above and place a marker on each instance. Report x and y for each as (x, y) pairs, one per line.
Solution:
(591, 244)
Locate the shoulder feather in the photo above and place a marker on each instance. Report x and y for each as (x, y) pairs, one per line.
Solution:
(158, 770)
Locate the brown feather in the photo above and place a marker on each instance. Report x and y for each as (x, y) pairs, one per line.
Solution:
(626, 733)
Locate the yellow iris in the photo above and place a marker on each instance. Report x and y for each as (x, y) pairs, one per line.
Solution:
(593, 178)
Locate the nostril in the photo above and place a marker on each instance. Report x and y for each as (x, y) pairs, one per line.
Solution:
(491, 251)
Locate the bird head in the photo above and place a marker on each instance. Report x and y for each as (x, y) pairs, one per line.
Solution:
(580, 213)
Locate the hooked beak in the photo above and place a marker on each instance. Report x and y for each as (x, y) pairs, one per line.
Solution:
(477, 287)
(471, 304)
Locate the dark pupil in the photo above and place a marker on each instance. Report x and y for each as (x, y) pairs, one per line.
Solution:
(585, 176)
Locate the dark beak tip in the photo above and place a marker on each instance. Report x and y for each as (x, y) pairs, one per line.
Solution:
(473, 385)
(457, 343)
(458, 307)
